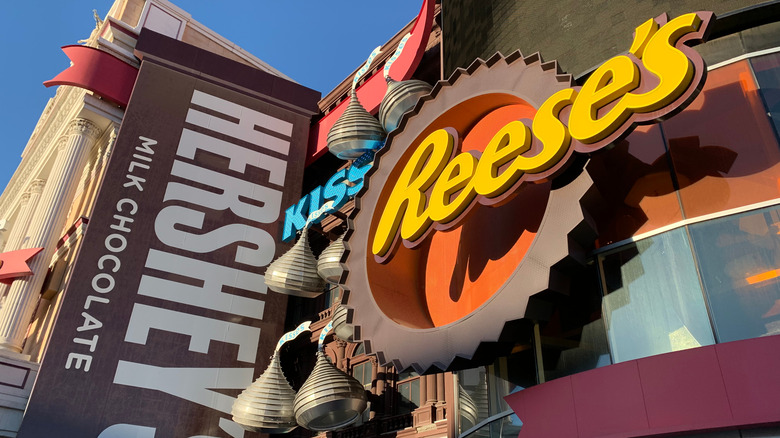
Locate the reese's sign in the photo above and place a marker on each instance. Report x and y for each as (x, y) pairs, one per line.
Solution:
(427, 258)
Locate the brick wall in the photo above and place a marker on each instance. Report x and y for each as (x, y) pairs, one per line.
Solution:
(580, 34)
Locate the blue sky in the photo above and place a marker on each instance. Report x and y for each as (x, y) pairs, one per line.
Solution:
(316, 43)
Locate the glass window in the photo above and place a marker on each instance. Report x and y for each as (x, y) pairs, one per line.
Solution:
(408, 392)
(362, 372)
(473, 399)
(767, 69)
(723, 146)
(719, 434)
(574, 337)
(773, 432)
(507, 426)
(739, 260)
(332, 296)
(742, 433)
(481, 391)
(566, 357)
(654, 302)
(635, 181)
(407, 375)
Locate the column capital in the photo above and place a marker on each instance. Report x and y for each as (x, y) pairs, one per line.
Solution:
(61, 142)
(25, 198)
(36, 185)
(114, 132)
(82, 126)
(105, 153)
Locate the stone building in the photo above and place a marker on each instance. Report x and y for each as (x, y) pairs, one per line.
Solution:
(561, 277)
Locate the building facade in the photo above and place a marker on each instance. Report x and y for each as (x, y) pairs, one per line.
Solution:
(609, 345)
(568, 272)
(61, 187)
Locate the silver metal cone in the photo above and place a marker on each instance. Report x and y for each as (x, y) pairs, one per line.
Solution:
(266, 406)
(355, 132)
(341, 329)
(329, 399)
(480, 398)
(295, 272)
(400, 98)
(329, 263)
(468, 410)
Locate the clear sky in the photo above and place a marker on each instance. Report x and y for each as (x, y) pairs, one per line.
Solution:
(315, 42)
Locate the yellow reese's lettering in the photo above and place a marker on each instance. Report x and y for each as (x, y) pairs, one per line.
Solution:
(407, 200)
(456, 184)
(613, 80)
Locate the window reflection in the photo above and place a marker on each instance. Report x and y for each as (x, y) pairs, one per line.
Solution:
(408, 391)
(362, 372)
(767, 69)
(653, 303)
(773, 432)
(739, 258)
(635, 182)
(574, 339)
(481, 392)
(592, 351)
(504, 426)
(724, 150)
(473, 397)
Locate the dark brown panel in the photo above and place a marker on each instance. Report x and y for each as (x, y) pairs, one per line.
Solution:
(165, 359)
(154, 46)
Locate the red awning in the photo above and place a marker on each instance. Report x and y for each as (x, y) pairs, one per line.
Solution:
(99, 72)
(373, 90)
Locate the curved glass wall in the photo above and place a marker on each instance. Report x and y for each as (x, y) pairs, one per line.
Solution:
(721, 153)
(714, 276)
(670, 291)
(689, 246)
(503, 425)
(767, 72)
(739, 261)
(481, 392)
(723, 147)
(648, 308)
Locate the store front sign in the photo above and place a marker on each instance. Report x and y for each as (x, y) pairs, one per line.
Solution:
(323, 200)
(464, 218)
(654, 79)
(166, 316)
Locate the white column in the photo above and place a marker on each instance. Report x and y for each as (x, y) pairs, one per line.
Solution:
(28, 204)
(45, 225)
(19, 229)
(13, 236)
(98, 174)
(3, 234)
(81, 188)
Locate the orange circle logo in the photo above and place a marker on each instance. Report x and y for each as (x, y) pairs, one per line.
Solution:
(460, 222)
